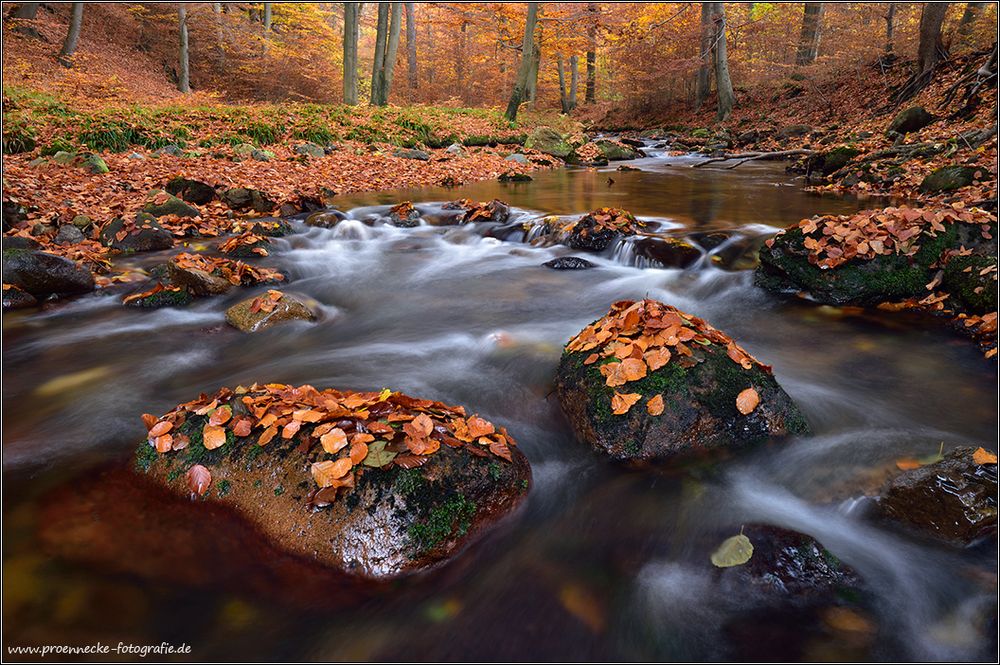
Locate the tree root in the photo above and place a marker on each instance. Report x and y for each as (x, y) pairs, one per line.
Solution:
(744, 157)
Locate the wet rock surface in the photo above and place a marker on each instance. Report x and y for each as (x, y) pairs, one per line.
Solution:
(262, 312)
(954, 500)
(42, 274)
(15, 298)
(145, 234)
(569, 263)
(697, 388)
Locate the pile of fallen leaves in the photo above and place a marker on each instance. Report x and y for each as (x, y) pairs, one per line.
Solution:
(235, 272)
(266, 302)
(473, 211)
(345, 433)
(157, 288)
(589, 152)
(833, 240)
(402, 210)
(248, 240)
(641, 337)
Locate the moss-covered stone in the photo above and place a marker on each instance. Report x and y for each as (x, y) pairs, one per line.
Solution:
(549, 141)
(950, 178)
(246, 316)
(833, 160)
(908, 120)
(42, 274)
(970, 279)
(144, 235)
(165, 298)
(699, 416)
(168, 205)
(615, 151)
(785, 267)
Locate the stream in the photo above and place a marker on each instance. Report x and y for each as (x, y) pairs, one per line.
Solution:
(597, 564)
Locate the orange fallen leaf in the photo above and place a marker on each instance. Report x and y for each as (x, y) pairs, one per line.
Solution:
(621, 403)
(983, 456)
(160, 428)
(221, 415)
(333, 440)
(655, 405)
(199, 479)
(213, 436)
(359, 451)
(747, 401)
(907, 464)
(325, 473)
(479, 427)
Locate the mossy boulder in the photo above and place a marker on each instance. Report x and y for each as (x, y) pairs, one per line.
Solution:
(325, 219)
(908, 120)
(144, 235)
(242, 198)
(954, 500)
(794, 131)
(42, 274)
(550, 142)
(390, 521)
(785, 267)
(192, 191)
(198, 282)
(699, 387)
(93, 164)
(309, 150)
(598, 229)
(259, 313)
(161, 203)
(950, 178)
(15, 298)
(154, 295)
(615, 151)
(832, 161)
(973, 280)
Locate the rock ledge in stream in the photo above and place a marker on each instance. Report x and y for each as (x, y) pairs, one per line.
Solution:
(648, 382)
(595, 231)
(954, 500)
(859, 260)
(373, 485)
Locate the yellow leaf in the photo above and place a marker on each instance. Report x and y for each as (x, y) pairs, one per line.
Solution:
(734, 551)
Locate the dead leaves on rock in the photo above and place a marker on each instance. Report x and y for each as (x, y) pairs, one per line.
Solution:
(833, 240)
(601, 220)
(354, 431)
(235, 272)
(636, 338)
(253, 242)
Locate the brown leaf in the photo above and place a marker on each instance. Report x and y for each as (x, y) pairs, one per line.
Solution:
(747, 401)
(213, 436)
(655, 405)
(199, 479)
(333, 440)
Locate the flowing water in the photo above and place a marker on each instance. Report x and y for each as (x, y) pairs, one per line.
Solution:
(598, 564)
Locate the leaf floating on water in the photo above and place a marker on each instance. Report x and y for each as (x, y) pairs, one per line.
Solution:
(582, 604)
(983, 456)
(907, 464)
(655, 405)
(747, 401)
(734, 551)
(69, 382)
(199, 479)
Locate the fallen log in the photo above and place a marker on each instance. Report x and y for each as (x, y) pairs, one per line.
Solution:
(744, 157)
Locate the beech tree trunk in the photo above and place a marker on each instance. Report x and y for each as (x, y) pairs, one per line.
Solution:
(703, 82)
(574, 80)
(812, 19)
(350, 53)
(723, 82)
(519, 93)
(930, 48)
(220, 49)
(590, 94)
(411, 45)
(72, 36)
(536, 59)
(26, 10)
(184, 80)
(972, 11)
(390, 17)
(890, 26)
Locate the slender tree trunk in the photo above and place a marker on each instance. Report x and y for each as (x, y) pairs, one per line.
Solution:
(890, 26)
(812, 18)
(463, 38)
(72, 36)
(524, 71)
(184, 80)
(220, 49)
(350, 53)
(930, 48)
(574, 80)
(723, 82)
(972, 11)
(703, 82)
(390, 18)
(536, 59)
(26, 10)
(563, 92)
(381, 28)
(411, 46)
(590, 94)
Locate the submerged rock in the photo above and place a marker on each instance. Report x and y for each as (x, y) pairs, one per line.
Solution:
(404, 215)
(954, 500)
(569, 263)
(143, 235)
(15, 298)
(198, 282)
(615, 150)
(648, 382)
(340, 486)
(255, 314)
(42, 274)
